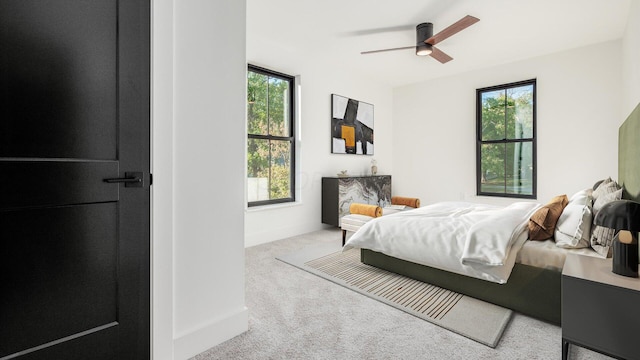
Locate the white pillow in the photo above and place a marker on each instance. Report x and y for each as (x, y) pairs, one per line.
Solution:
(573, 229)
(582, 194)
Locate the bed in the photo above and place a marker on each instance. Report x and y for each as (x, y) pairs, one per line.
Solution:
(530, 289)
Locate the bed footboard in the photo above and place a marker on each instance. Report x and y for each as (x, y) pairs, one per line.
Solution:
(530, 290)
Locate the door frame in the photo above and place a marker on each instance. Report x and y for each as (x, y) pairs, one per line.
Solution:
(176, 25)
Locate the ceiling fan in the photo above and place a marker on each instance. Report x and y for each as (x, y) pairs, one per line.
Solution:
(425, 40)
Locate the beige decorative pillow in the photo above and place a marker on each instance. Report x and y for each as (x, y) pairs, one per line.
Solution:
(542, 223)
(603, 199)
(607, 186)
(601, 237)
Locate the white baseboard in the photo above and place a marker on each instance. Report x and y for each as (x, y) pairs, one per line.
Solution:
(263, 237)
(206, 337)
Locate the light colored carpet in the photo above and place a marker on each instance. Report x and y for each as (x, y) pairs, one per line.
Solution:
(297, 315)
(475, 319)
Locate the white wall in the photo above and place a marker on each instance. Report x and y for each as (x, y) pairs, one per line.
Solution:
(631, 61)
(198, 246)
(578, 113)
(315, 159)
(162, 169)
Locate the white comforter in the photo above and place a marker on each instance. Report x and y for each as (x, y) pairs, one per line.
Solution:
(471, 239)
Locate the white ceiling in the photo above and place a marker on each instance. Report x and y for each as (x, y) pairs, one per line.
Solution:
(290, 34)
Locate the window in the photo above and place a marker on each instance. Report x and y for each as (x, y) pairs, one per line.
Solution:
(506, 140)
(270, 137)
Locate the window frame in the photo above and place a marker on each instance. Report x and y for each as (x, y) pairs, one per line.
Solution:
(480, 142)
(291, 139)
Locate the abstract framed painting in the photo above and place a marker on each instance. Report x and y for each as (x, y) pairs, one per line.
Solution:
(351, 126)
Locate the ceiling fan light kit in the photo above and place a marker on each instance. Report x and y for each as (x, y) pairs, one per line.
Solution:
(425, 40)
(423, 49)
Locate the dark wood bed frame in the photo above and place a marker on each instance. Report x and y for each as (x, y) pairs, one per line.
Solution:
(531, 291)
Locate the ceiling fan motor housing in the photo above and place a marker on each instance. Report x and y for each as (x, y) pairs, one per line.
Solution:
(423, 32)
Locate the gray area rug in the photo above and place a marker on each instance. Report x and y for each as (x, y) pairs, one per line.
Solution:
(475, 319)
(296, 315)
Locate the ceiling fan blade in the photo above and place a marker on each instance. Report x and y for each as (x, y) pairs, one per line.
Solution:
(454, 28)
(383, 50)
(378, 30)
(439, 55)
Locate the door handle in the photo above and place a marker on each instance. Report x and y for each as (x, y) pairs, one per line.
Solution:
(130, 179)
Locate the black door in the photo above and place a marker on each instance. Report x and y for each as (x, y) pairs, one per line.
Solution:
(74, 111)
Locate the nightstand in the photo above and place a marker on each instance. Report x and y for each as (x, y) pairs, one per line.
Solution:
(600, 309)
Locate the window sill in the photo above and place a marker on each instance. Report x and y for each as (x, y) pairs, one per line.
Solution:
(273, 206)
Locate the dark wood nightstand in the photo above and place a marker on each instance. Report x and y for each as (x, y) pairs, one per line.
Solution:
(600, 309)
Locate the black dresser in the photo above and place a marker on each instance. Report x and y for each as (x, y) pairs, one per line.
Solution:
(338, 193)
